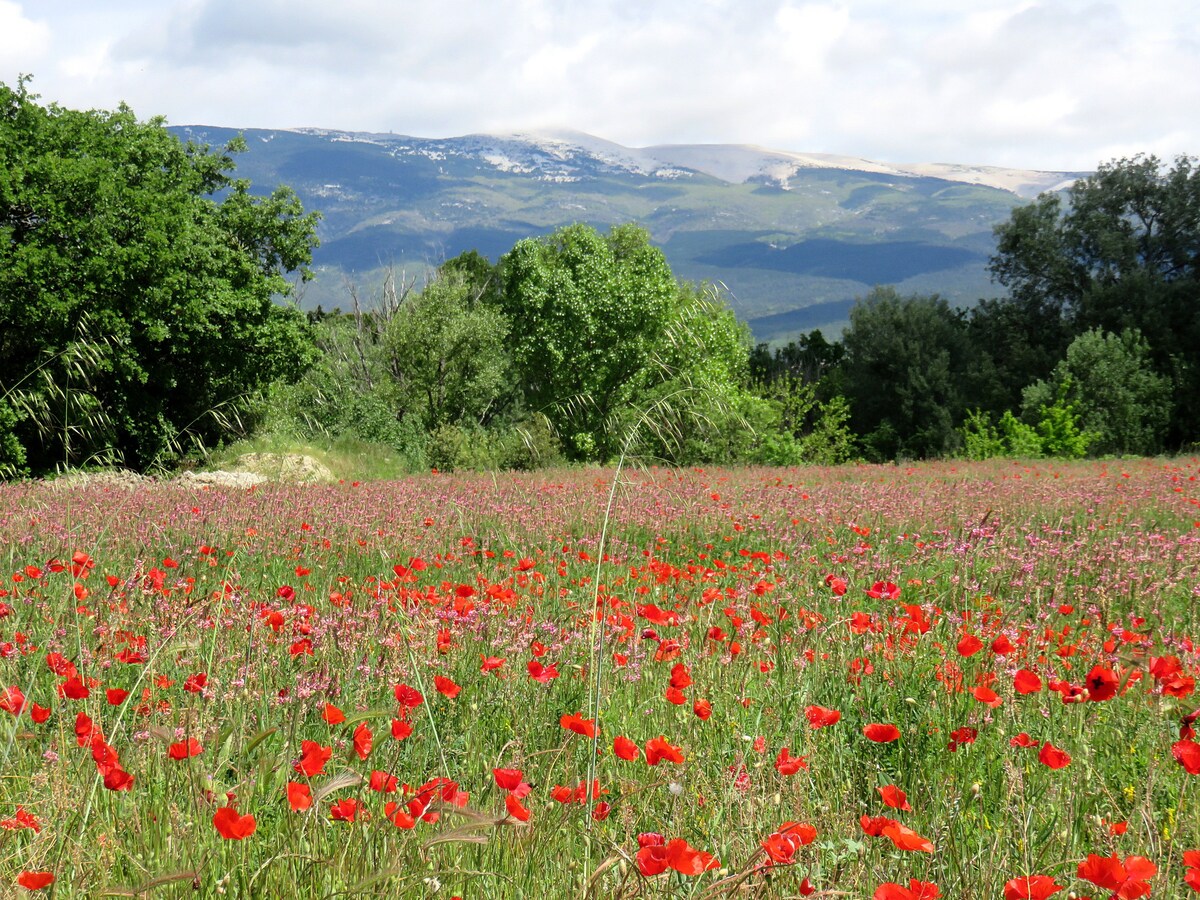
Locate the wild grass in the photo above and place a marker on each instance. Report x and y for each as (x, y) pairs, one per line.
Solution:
(252, 621)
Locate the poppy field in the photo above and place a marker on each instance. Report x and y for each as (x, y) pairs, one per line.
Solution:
(958, 680)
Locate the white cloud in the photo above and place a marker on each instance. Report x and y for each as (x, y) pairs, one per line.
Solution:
(23, 41)
(1045, 83)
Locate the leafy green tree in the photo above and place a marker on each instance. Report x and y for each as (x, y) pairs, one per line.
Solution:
(346, 393)
(448, 354)
(481, 277)
(903, 373)
(121, 247)
(1010, 346)
(587, 311)
(690, 397)
(981, 439)
(806, 360)
(1059, 429)
(1117, 251)
(1110, 382)
(1021, 441)
(12, 453)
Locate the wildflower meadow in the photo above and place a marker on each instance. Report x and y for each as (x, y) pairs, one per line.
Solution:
(958, 680)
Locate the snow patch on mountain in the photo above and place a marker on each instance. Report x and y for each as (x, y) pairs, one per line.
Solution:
(564, 156)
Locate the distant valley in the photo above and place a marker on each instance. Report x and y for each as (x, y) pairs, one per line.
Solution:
(794, 237)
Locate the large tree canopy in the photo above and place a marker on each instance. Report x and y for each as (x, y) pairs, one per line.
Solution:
(1120, 250)
(903, 373)
(137, 286)
(586, 312)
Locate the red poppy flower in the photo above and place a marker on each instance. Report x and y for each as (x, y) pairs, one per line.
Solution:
(491, 664)
(515, 809)
(12, 700)
(677, 854)
(820, 717)
(1026, 682)
(1187, 754)
(540, 673)
(781, 846)
(987, 696)
(115, 696)
(1022, 740)
(363, 740)
(35, 881)
(894, 797)
(1101, 683)
(446, 687)
(969, 645)
(299, 796)
(333, 715)
(658, 749)
(601, 811)
(312, 759)
(73, 689)
(880, 733)
(117, 779)
(401, 729)
(22, 818)
(408, 697)
(507, 779)
(1192, 879)
(232, 826)
(668, 650)
(786, 764)
(960, 736)
(39, 714)
(884, 590)
(681, 676)
(60, 665)
(577, 723)
(185, 749)
(345, 810)
(916, 890)
(874, 825)
(624, 748)
(906, 839)
(1031, 887)
(397, 816)
(1052, 757)
(1128, 880)
(383, 782)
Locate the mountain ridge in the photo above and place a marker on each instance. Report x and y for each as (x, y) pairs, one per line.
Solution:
(793, 237)
(738, 163)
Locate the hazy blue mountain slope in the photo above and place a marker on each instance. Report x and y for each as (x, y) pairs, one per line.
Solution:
(794, 238)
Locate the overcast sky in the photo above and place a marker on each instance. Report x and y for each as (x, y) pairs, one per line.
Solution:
(1050, 84)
